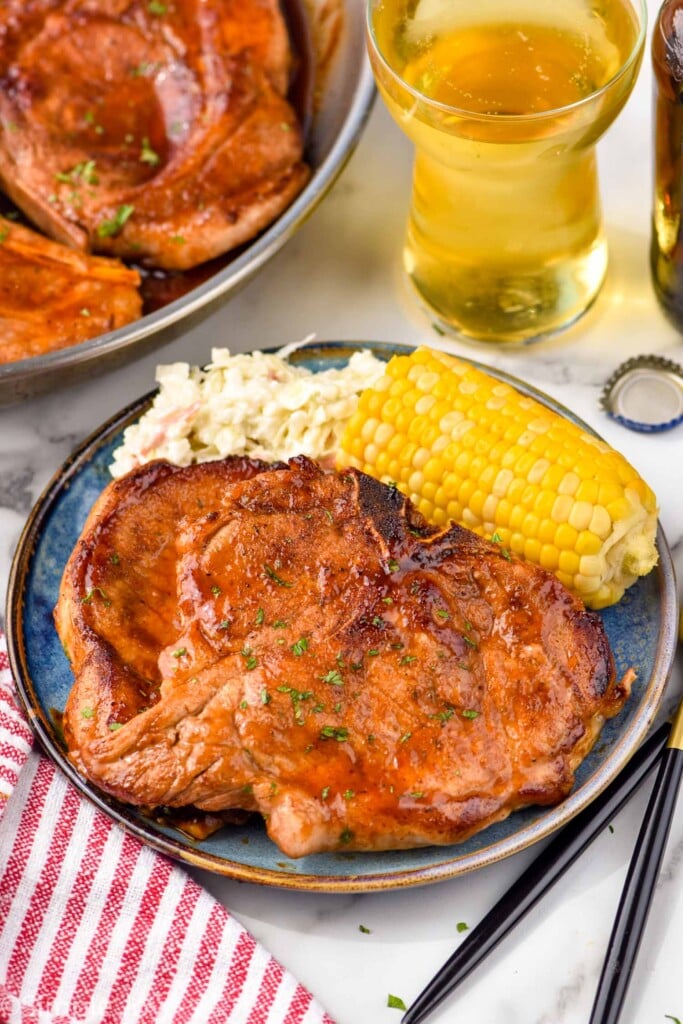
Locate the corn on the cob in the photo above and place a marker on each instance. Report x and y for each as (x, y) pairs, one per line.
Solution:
(469, 448)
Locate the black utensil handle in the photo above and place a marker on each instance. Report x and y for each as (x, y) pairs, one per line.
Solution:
(636, 897)
(541, 874)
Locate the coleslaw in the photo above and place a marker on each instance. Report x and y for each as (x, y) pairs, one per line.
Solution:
(254, 404)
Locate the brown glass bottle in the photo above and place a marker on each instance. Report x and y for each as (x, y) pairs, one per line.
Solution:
(666, 253)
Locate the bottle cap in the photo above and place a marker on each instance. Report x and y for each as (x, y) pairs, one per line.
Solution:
(646, 394)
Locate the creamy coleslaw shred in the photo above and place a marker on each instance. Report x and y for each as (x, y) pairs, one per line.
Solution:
(255, 404)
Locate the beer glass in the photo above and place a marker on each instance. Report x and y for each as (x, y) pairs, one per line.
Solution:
(505, 103)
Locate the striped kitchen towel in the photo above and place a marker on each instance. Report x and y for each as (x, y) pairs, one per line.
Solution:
(96, 928)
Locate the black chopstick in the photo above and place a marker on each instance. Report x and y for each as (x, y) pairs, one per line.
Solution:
(636, 896)
(541, 874)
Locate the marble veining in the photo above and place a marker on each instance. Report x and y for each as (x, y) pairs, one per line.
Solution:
(340, 278)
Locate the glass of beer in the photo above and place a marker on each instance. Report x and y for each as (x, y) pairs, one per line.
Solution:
(505, 103)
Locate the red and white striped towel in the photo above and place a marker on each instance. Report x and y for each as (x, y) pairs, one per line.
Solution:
(95, 928)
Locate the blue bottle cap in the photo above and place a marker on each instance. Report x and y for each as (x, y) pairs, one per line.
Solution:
(646, 394)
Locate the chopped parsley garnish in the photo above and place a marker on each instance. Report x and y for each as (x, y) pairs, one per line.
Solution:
(91, 593)
(142, 68)
(497, 539)
(362, 928)
(324, 793)
(280, 624)
(393, 565)
(156, 7)
(225, 624)
(407, 659)
(148, 155)
(396, 1003)
(349, 794)
(373, 653)
(272, 575)
(300, 647)
(251, 659)
(178, 239)
(113, 726)
(379, 622)
(4, 232)
(260, 617)
(333, 677)
(243, 705)
(444, 716)
(85, 171)
(405, 737)
(216, 590)
(416, 795)
(469, 713)
(462, 926)
(180, 652)
(346, 837)
(109, 228)
(470, 642)
(87, 713)
(333, 732)
(265, 696)
(441, 613)
(387, 600)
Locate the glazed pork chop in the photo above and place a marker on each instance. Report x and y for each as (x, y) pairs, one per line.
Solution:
(51, 296)
(298, 642)
(158, 132)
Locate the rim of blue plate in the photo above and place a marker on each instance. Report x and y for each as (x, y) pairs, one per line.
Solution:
(447, 863)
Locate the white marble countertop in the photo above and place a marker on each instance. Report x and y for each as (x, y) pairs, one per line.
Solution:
(340, 278)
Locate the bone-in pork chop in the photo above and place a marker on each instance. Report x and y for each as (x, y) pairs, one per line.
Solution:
(299, 643)
(52, 296)
(158, 132)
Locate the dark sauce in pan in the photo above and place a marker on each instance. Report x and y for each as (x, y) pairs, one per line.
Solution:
(160, 287)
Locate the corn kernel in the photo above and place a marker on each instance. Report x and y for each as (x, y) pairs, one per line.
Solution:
(580, 515)
(568, 562)
(587, 543)
(549, 557)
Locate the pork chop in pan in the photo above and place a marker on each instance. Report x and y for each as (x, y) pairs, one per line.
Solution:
(52, 296)
(157, 132)
(298, 642)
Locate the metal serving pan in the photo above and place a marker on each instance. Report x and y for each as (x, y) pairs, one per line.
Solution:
(343, 85)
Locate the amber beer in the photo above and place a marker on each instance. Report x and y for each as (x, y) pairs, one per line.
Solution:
(505, 103)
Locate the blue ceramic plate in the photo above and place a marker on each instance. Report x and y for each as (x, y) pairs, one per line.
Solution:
(641, 629)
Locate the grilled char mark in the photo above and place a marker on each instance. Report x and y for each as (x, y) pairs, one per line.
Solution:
(365, 681)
